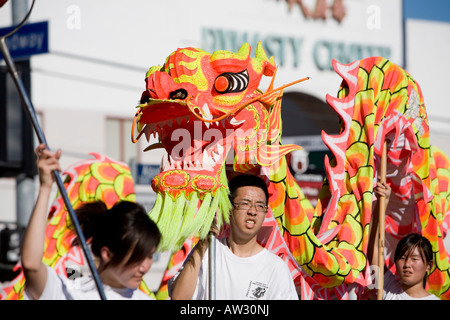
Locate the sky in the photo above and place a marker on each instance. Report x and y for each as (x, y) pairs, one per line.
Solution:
(438, 10)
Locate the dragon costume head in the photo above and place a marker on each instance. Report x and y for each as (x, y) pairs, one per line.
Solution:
(201, 107)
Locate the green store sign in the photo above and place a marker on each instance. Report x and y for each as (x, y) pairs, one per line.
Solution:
(288, 50)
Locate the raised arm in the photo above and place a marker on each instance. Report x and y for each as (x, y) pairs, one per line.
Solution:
(33, 242)
(381, 189)
(184, 285)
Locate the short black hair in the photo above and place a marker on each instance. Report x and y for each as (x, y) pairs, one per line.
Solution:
(247, 180)
(414, 240)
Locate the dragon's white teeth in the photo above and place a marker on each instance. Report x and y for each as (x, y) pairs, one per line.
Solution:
(147, 132)
(217, 152)
(216, 156)
(187, 165)
(206, 112)
(204, 162)
(170, 123)
(220, 148)
(150, 130)
(208, 164)
(235, 122)
(165, 165)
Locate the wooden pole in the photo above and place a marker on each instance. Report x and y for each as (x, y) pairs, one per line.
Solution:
(381, 225)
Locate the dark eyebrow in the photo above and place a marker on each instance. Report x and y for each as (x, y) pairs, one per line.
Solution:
(257, 201)
(248, 200)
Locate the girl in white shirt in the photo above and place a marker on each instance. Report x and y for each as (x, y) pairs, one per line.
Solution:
(123, 238)
(413, 260)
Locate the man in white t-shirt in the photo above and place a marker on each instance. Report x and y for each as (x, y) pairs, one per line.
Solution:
(244, 269)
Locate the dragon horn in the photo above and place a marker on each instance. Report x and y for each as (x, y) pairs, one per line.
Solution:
(244, 52)
(268, 64)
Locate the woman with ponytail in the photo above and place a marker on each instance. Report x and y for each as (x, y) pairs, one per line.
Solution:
(123, 238)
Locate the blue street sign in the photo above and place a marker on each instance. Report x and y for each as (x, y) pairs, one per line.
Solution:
(145, 173)
(29, 40)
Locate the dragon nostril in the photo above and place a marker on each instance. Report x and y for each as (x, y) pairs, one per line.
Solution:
(145, 98)
(179, 94)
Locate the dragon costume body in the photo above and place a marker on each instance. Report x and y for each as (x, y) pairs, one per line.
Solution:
(207, 112)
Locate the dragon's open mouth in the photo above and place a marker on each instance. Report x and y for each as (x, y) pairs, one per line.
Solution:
(191, 187)
(191, 144)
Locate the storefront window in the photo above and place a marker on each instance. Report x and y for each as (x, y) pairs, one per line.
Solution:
(118, 141)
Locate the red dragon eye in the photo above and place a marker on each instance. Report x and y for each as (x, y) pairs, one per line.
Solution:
(229, 82)
(222, 83)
